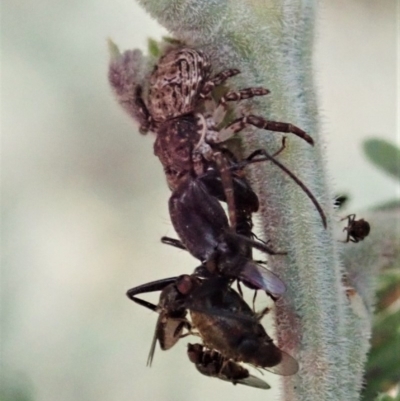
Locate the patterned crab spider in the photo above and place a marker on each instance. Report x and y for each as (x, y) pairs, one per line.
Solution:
(179, 83)
(188, 137)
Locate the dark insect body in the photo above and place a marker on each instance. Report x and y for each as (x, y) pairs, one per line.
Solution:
(187, 144)
(234, 329)
(202, 225)
(172, 312)
(190, 128)
(212, 364)
(357, 230)
(222, 318)
(199, 219)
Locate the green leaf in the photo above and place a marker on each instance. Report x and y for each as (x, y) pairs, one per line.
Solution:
(153, 47)
(383, 368)
(384, 155)
(385, 397)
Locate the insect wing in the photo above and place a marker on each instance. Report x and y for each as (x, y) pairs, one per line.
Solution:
(167, 332)
(253, 381)
(286, 367)
(262, 279)
(154, 342)
(171, 332)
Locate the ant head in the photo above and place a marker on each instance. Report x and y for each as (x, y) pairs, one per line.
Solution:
(184, 284)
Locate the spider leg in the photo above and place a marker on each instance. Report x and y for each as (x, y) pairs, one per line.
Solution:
(259, 122)
(350, 221)
(350, 218)
(216, 81)
(227, 184)
(203, 130)
(235, 96)
(348, 235)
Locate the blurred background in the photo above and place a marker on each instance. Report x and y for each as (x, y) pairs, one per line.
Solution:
(84, 201)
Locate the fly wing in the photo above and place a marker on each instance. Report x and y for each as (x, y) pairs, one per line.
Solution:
(154, 342)
(254, 381)
(171, 333)
(286, 367)
(262, 279)
(168, 331)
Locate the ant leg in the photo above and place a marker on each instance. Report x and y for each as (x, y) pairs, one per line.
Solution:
(262, 313)
(254, 300)
(259, 122)
(262, 152)
(239, 288)
(259, 152)
(184, 324)
(264, 242)
(235, 96)
(282, 148)
(157, 285)
(251, 158)
(255, 244)
(190, 331)
(142, 302)
(173, 242)
(217, 80)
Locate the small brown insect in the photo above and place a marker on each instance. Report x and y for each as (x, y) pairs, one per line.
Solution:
(357, 230)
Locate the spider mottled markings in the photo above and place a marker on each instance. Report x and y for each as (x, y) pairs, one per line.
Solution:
(187, 131)
(188, 123)
(176, 84)
(180, 83)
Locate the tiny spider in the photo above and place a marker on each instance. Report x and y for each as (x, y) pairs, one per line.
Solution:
(357, 230)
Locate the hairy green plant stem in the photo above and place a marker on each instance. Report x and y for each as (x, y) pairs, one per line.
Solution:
(271, 42)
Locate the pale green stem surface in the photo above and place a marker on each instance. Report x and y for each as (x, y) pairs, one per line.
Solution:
(271, 42)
